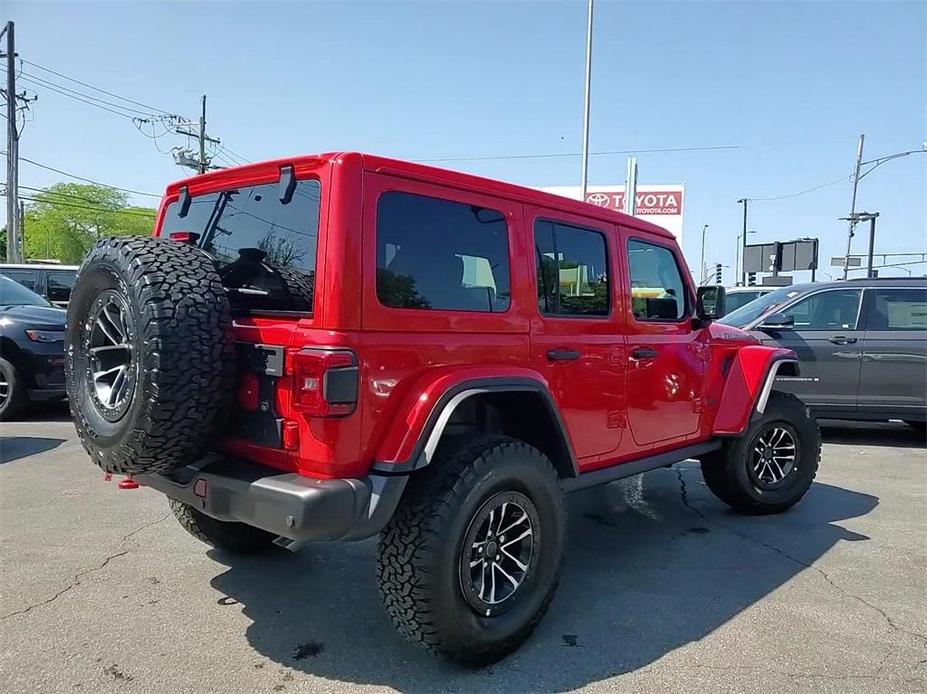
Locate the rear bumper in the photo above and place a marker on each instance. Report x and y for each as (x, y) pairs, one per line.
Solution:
(289, 505)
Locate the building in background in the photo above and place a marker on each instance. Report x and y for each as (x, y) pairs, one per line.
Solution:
(659, 204)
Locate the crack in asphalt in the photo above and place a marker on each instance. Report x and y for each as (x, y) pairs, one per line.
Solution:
(893, 626)
(75, 580)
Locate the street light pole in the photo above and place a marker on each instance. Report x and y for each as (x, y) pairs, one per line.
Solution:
(701, 279)
(852, 223)
(743, 247)
(587, 92)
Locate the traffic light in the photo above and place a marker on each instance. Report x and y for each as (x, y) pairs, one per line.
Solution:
(751, 279)
(717, 273)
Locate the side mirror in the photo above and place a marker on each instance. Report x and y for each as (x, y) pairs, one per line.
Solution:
(777, 321)
(709, 304)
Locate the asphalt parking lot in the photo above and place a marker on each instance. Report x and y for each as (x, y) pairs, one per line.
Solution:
(664, 590)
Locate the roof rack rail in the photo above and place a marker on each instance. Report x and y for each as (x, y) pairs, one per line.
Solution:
(885, 279)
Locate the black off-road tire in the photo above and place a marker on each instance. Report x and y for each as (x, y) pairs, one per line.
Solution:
(727, 471)
(419, 555)
(235, 538)
(16, 399)
(178, 325)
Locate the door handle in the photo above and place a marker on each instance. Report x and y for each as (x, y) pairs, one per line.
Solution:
(644, 353)
(562, 354)
(841, 340)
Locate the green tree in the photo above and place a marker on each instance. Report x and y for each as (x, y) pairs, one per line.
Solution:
(67, 219)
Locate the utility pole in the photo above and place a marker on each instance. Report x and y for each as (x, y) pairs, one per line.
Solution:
(12, 150)
(703, 276)
(203, 137)
(183, 157)
(743, 245)
(586, 96)
(852, 215)
(21, 231)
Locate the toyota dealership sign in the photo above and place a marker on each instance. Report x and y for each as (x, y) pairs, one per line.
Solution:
(659, 204)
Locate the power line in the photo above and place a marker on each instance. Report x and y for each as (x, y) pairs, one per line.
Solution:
(234, 154)
(87, 180)
(579, 154)
(86, 101)
(86, 98)
(802, 192)
(99, 89)
(135, 213)
(225, 159)
(46, 191)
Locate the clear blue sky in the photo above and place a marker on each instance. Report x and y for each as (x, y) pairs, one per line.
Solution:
(791, 84)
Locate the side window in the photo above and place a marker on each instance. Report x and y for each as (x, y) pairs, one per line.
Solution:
(439, 254)
(26, 278)
(831, 310)
(657, 289)
(898, 309)
(59, 285)
(572, 271)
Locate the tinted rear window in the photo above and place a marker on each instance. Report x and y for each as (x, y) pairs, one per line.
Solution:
(737, 299)
(439, 254)
(26, 278)
(265, 249)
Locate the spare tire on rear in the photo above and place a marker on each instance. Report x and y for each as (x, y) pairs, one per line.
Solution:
(149, 354)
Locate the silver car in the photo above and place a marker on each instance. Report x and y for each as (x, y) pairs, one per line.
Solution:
(862, 345)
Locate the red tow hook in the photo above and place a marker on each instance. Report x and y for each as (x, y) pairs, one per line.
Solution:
(107, 477)
(128, 483)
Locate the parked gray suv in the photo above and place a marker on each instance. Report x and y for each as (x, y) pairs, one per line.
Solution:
(862, 345)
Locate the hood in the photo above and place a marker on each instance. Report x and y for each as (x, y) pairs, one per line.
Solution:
(728, 334)
(39, 317)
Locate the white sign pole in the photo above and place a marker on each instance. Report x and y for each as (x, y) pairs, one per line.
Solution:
(630, 186)
(584, 184)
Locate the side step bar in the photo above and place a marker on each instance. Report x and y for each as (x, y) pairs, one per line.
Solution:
(635, 467)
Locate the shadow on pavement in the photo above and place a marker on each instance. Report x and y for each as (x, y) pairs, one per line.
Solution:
(16, 447)
(894, 434)
(653, 563)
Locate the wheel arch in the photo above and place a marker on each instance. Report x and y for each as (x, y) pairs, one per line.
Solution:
(521, 407)
(750, 381)
(10, 351)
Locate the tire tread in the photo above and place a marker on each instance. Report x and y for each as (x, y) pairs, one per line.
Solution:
(413, 536)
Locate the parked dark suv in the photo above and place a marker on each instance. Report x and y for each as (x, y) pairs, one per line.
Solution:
(862, 345)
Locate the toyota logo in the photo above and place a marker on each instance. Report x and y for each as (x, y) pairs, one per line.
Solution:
(600, 199)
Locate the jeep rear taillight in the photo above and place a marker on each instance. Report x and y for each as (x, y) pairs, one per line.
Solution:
(325, 382)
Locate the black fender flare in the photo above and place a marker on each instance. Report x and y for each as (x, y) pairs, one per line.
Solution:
(430, 435)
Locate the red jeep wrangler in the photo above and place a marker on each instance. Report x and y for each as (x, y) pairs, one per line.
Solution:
(334, 346)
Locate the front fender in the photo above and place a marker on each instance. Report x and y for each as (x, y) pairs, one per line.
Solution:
(433, 396)
(748, 385)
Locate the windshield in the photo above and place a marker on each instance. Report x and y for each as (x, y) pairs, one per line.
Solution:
(265, 247)
(735, 300)
(14, 294)
(748, 313)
